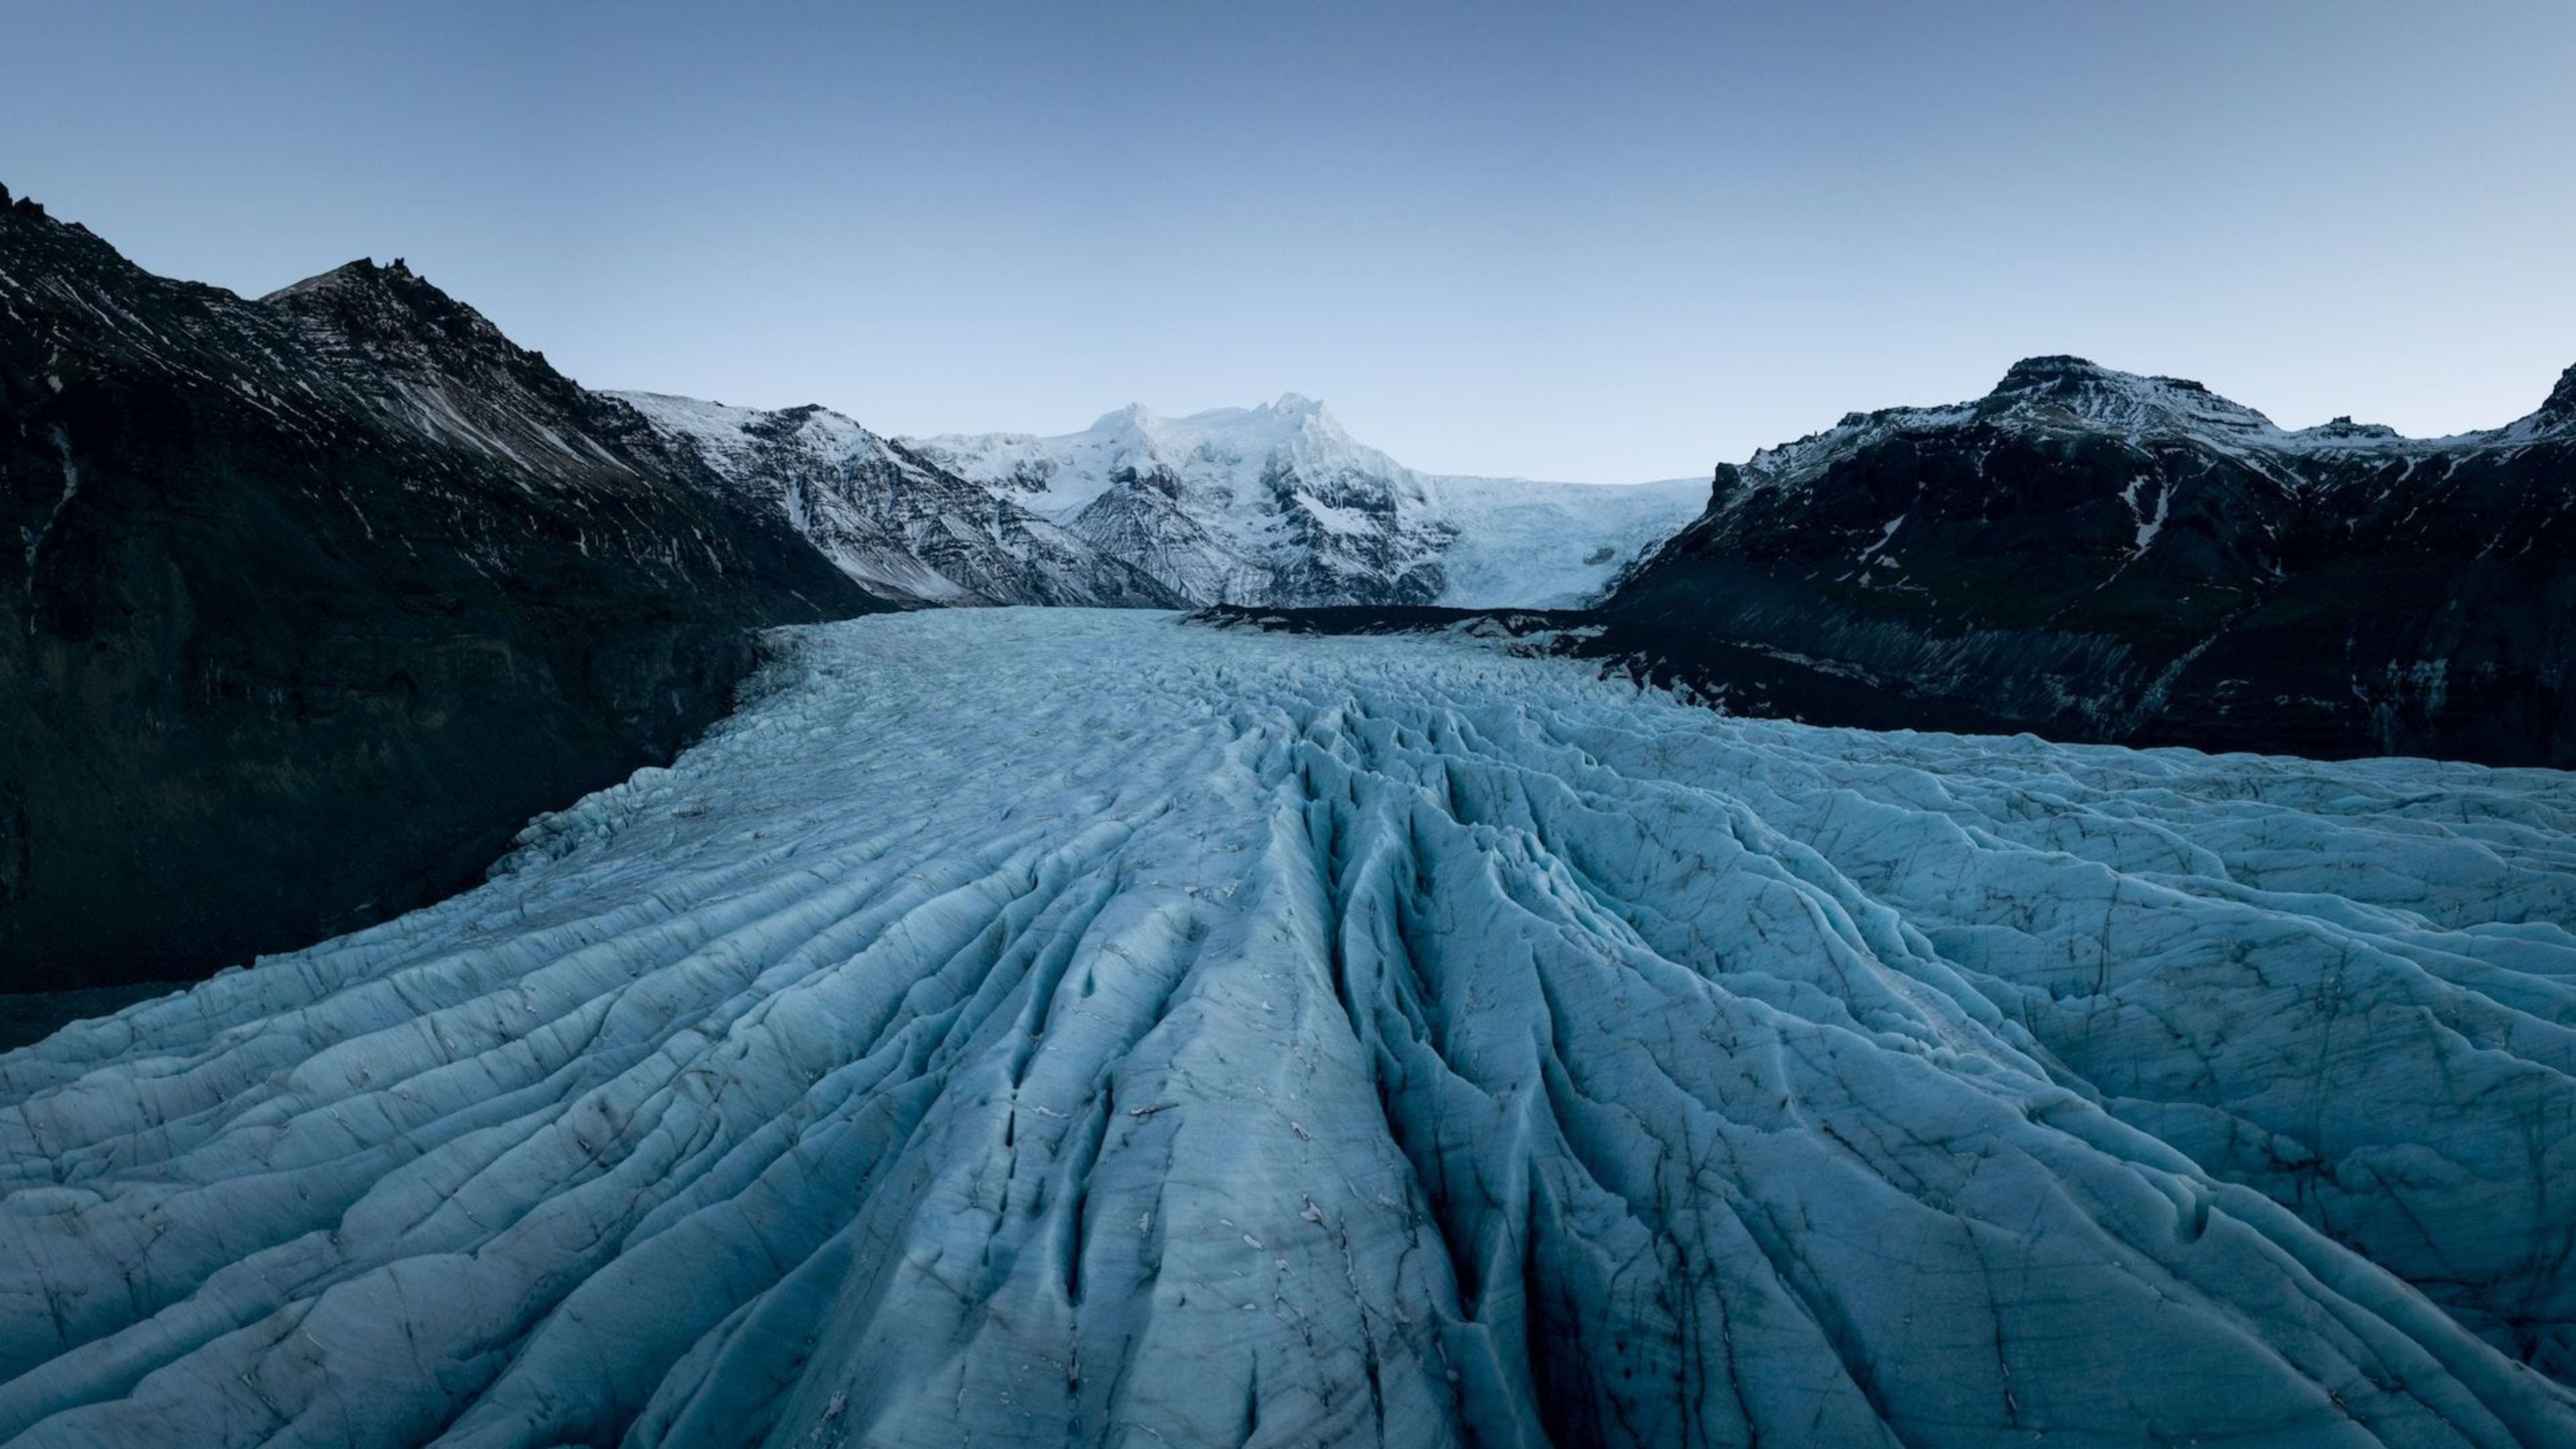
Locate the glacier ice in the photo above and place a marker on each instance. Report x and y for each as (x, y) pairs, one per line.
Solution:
(1019, 1026)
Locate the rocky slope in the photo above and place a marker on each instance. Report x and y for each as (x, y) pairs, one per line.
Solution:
(902, 526)
(2094, 555)
(1069, 1027)
(1277, 505)
(315, 598)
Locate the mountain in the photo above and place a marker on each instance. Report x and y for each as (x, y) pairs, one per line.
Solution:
(2094, 555)
(1278, 505)
(901, 526)
(317, 597)
(1071, 1027)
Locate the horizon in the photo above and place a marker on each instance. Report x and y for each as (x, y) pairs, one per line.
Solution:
(1527, 248)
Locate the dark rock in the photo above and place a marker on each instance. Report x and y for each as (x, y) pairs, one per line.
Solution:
(315, 599)
(2561, 405)
(2095, 556)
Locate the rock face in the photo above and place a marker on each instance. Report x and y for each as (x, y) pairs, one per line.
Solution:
(1278, 506)
(901, 525)
(314, 599)
(2093, 555)
(1054, 1026)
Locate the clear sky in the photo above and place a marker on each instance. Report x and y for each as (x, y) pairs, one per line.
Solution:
(1593, 241)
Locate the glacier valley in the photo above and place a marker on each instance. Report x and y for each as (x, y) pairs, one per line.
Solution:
(1044, 1026)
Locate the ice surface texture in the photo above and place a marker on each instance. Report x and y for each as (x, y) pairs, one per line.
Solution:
(1048, 1026)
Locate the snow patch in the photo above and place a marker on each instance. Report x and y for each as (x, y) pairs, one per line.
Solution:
(34, 538)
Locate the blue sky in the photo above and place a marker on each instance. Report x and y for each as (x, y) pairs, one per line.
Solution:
(1604, 242)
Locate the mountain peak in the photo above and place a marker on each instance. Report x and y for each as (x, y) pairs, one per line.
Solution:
(1134, 416)
(1295, 404)
(2053, 368)
(27, 223)
(2062, 372)
(392, 309)
(362, 273)
(2344, 429)
(2561, 403)
(2100, 394)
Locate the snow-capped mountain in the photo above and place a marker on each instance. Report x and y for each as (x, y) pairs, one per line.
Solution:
(2070, 396)
(903, 527)
(1069, 1027)
(2095, 554)
(315, 597)
(1278, 505)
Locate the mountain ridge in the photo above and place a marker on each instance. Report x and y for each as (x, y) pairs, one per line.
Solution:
(1278, 505)
(895, 522)
(2092, 554)
(319, 596)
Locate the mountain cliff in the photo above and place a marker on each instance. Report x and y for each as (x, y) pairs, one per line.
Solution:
(2095, 555)
(317, 597)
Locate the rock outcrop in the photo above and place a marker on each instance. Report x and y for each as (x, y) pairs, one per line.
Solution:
(2092, 555)
(314, 599)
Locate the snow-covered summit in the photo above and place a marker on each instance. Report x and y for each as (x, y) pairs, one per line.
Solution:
(1273, 504)
(2072, 394)
(1279, 504)
(2102, 397)
(2065, 394)
(902, 526)
(1216, 452)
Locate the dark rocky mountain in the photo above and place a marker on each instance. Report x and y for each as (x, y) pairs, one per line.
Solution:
(316, 598)
(2092, 555)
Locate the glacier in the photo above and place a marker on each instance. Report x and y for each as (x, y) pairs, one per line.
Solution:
(1019, 1026)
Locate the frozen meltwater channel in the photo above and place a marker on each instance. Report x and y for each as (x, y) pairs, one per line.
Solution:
(1025, 1027)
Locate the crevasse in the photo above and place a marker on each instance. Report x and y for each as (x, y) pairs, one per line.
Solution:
(1065, 1026)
